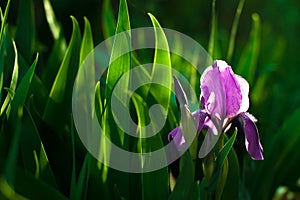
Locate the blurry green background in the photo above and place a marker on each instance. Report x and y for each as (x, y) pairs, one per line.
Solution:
(274, 90)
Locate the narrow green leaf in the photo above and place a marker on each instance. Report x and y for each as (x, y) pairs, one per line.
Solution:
(33, 153)
(55, 58)
(145, 145)
(87, 41)
(82, 179)
(184, 187)
(108, 19)
(280, 160)
(221, 158)
(119, 66)
(16, 123)
(13, 83)
(248, 61)
(22, 90)
(98, 101)
(10, 165)
(161, 57)
(3, 20)
(55, 27)
(25, 33)
(231, 189)
(61, 91)
(58, 49)
(213, 28)
(30, 187)
(73, 176)
(117, 194)
(234, 29)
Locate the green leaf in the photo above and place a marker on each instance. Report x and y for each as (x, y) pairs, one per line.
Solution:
(108, 19)
(119, 65)
(25, 33)
(13, 83)
(55, 27)
(33, 153)
(161, 57)
(146, 145)
(61, 91)
(59, 48)
(3, 21)
(117, 194)
(22, 90)
(248, 61)
(212, 36)
(231, 188)
(30, 187)
(184, 187)
(234, 29)
(15, 123)
(281, 161)
(221, 159)
(87, 42)
(55, 58)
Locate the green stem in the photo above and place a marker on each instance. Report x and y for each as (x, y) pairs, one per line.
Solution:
(234, 29)
(213, 30)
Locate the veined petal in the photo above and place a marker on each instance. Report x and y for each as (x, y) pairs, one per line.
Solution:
(213, 96)
(233, 89)
(244, 86)
(178, 138)
(252, 140)
(180, 94)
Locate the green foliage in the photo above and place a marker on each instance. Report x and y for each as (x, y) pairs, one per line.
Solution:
(41, 155)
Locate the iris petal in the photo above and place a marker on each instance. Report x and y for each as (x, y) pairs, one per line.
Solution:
(178, 138)
(200, 117)
(213, 96)
(180, 94)
(210, 140)
(252, 140)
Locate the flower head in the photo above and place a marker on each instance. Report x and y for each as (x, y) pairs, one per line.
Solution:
(224, 97)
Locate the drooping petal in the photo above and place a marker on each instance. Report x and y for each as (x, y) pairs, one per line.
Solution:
(252, 140)
(199, 116)
(178, 138)
(180, 94)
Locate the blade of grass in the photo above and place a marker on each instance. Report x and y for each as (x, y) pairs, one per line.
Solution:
(87, 42)
(121, 44)
(248, 61)
(231, 189)
(213, 28)
(149, 190)
(13, 84)
(161, 56)
(185, 181)
(30, 187)
(61, 91)
(33, 153)
(234, 29)
(3, 20)
(55, 27)
(281, 160)
(22, 90)
(25, 33)
(108, 20)
(221, 159)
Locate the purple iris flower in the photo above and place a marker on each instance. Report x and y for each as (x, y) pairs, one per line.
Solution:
(224, 98)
